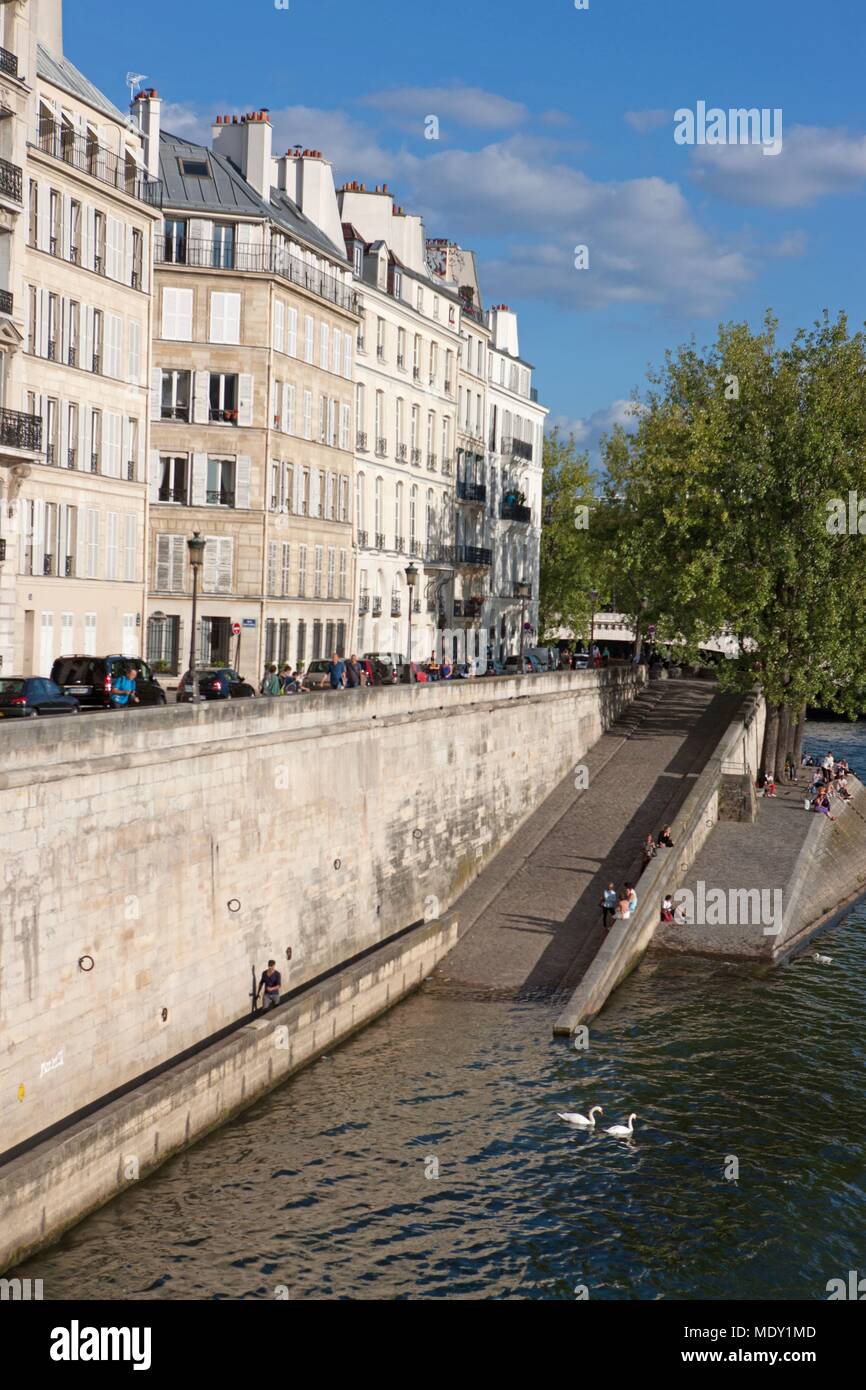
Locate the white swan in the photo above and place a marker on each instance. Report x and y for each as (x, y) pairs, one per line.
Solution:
(823, 960)
(623, 1131)
(582, 1121)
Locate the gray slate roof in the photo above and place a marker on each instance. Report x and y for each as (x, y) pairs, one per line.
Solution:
(226, 191)
(65, 75)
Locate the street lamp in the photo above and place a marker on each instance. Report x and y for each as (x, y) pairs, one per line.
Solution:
(644, 604)
(593, 593)
(411, 580)
(523, 591)
(195, 545)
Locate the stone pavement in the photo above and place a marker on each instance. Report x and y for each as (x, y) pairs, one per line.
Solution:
(534, 911)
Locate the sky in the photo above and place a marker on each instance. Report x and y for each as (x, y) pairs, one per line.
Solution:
(555, 130)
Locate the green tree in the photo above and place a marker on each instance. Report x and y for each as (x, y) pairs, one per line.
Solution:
(566, 551)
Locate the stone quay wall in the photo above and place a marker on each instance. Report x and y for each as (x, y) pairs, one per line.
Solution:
(153, 861)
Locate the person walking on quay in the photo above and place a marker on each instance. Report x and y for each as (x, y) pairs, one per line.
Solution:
(271, 681)
(287, 680)
(271, 983)
(608, 906)
(337, 672)
(353, 673)
(123, 690)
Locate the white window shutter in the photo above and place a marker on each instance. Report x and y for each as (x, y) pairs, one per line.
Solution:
(111, 547)
(43, 217)
(84, 438)
(127, 265)
(66, 227)
(177, 558)
(284, 413)
(347, 357)
(86, 337)
(315, 491)
(209, 574)
(199, 480)
(224, 564)
(163, 563)
(297, 485)
(42, 301)
(38, 536)
(169, 312)
(292, 343)
(154, 472)
(242, 482)
(124, 444)
(337, 349)
(323, 346)
(63, 408)
(233, 318)
(156, 393)
(216, 331)
(290, 409)
(201, 398)
(64, 330)
(245, 399)
(279, 325)
(200, 231)
(133, 359)
(87, 237)
(184, 315)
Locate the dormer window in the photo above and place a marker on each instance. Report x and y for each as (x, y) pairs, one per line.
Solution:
(397, 283)
(358, 259)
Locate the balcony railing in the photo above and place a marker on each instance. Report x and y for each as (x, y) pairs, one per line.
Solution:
(11, 182)
(396, 607)
(220, 497)
(130, 470)
(521, 449)
(468, 607)
(223, 417)
(175, 412)
(71, 457)
(399, 542)
(173, 494)
(471, 556)
(82, 152)
(401, 453)
(362, 540)
(472, 310)
(377, 608)
(471, 492)
(361, 442)
(364, 603)
(431, 463)
(69, 566)
(19, 431)
(204, 254)
(2, 549)
(72, 355)
(416, 458)
(380, 540)
(416, 606)
(381, 447)
(8, 63)
(94, 463)
(50, 455)
(446, 467)
(7, 302)
(512, 511)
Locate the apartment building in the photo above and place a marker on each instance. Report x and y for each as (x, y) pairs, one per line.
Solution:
(78, 210)
(513, 516)
(406, 417)
(251, 401)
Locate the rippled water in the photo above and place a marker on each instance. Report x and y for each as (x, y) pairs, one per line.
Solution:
(327, 1187)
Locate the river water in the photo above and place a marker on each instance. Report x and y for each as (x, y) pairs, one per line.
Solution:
(424, 1158)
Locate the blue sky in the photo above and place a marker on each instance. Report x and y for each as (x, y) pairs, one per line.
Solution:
(556, 129)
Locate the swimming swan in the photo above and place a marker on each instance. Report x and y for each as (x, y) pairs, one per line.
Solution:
(623, 1131)
(582, 1121)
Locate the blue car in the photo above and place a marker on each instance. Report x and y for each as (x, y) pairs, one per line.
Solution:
(24, 697)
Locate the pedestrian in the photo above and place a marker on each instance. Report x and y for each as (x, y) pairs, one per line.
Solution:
(667, 908)
(596, 656)
(632, 897)
(608, 906)
(605, 656)
(287, 680)
(665, 838)
(271, 681)
(433, 667)
(336, 672)
(623, 907)
(769, 784)
(271, 983)
(445, 669)
(649, 851)
(354, 673)
(123, 689)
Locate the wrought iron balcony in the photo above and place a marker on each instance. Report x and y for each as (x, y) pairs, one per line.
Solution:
(19, 431)
(72, 355)
(50, 455)
(416, 373)
(94, 463)
(204, 253)
(381, 447)
(47, 564)
(468, 607)
(401, 453)
(364, 603)
(11, 182)
(377, 608)
(70, 458)
(130, 470)
(2, 549)
(362, 540)
(448, 389)
(8, 63)
(473, 310)
(459, 556)
(399, 542)
(175, 412)
(69, 566)
(7, 302)
(380, 352)
(446, 467)
(396, 606)
(471, 492)
(380, 540)
(416, 458)
(84, 153)
(361, 442)
(173, 494)
(521, 449)
(220, 497)
(431, 463)
(512, 511)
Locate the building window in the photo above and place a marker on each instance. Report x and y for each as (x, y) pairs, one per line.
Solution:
(220, 482)
(174, 477)
(302, 577)
(301, 647)
(223, 398)
(224, 246)
(317, 640)
(99, 243)
(175, 395)
(317, 574)
(174, 241)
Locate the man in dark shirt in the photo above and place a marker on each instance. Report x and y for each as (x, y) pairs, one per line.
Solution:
(271, 983)
(353, 673)
(336, 671)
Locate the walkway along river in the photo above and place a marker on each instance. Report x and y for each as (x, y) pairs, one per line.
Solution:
(424, 1158)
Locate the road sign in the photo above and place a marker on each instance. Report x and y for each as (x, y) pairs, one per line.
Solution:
(236, 629)
(249, 622)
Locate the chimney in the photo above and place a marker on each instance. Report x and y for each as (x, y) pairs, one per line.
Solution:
(308, 179)
(247, 142)
(146, 110)
(47, 24)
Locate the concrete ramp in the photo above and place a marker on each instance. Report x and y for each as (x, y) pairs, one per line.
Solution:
(532, 920)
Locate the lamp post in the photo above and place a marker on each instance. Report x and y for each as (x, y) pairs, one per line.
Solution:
(195, 545)
(523, 591)
(593, 593)
(411, 580)
(644, 604)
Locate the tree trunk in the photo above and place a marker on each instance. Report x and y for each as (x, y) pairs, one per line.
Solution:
(782, 742)
(799, 734)
(771, 735)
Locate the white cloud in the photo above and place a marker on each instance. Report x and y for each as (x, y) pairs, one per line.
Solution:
(814, 162)
(186, 121)
(466, 106)
(588, 430)
(790, 246)
(645, 121)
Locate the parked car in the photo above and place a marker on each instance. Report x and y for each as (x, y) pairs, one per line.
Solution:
(581, 661)
(91, 678)
(316, 675)
(494, 668)
(530, 665)
(215, 683)
(387, 666)
(23, 697)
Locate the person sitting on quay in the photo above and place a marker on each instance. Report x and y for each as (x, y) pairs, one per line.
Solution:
(680, 918)
(445, 669)
(842, 789)
(667, 908)
(632, 897)
(649, 851)
(623, 906)
(769, 784)
(821, 804)
(665, 839)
